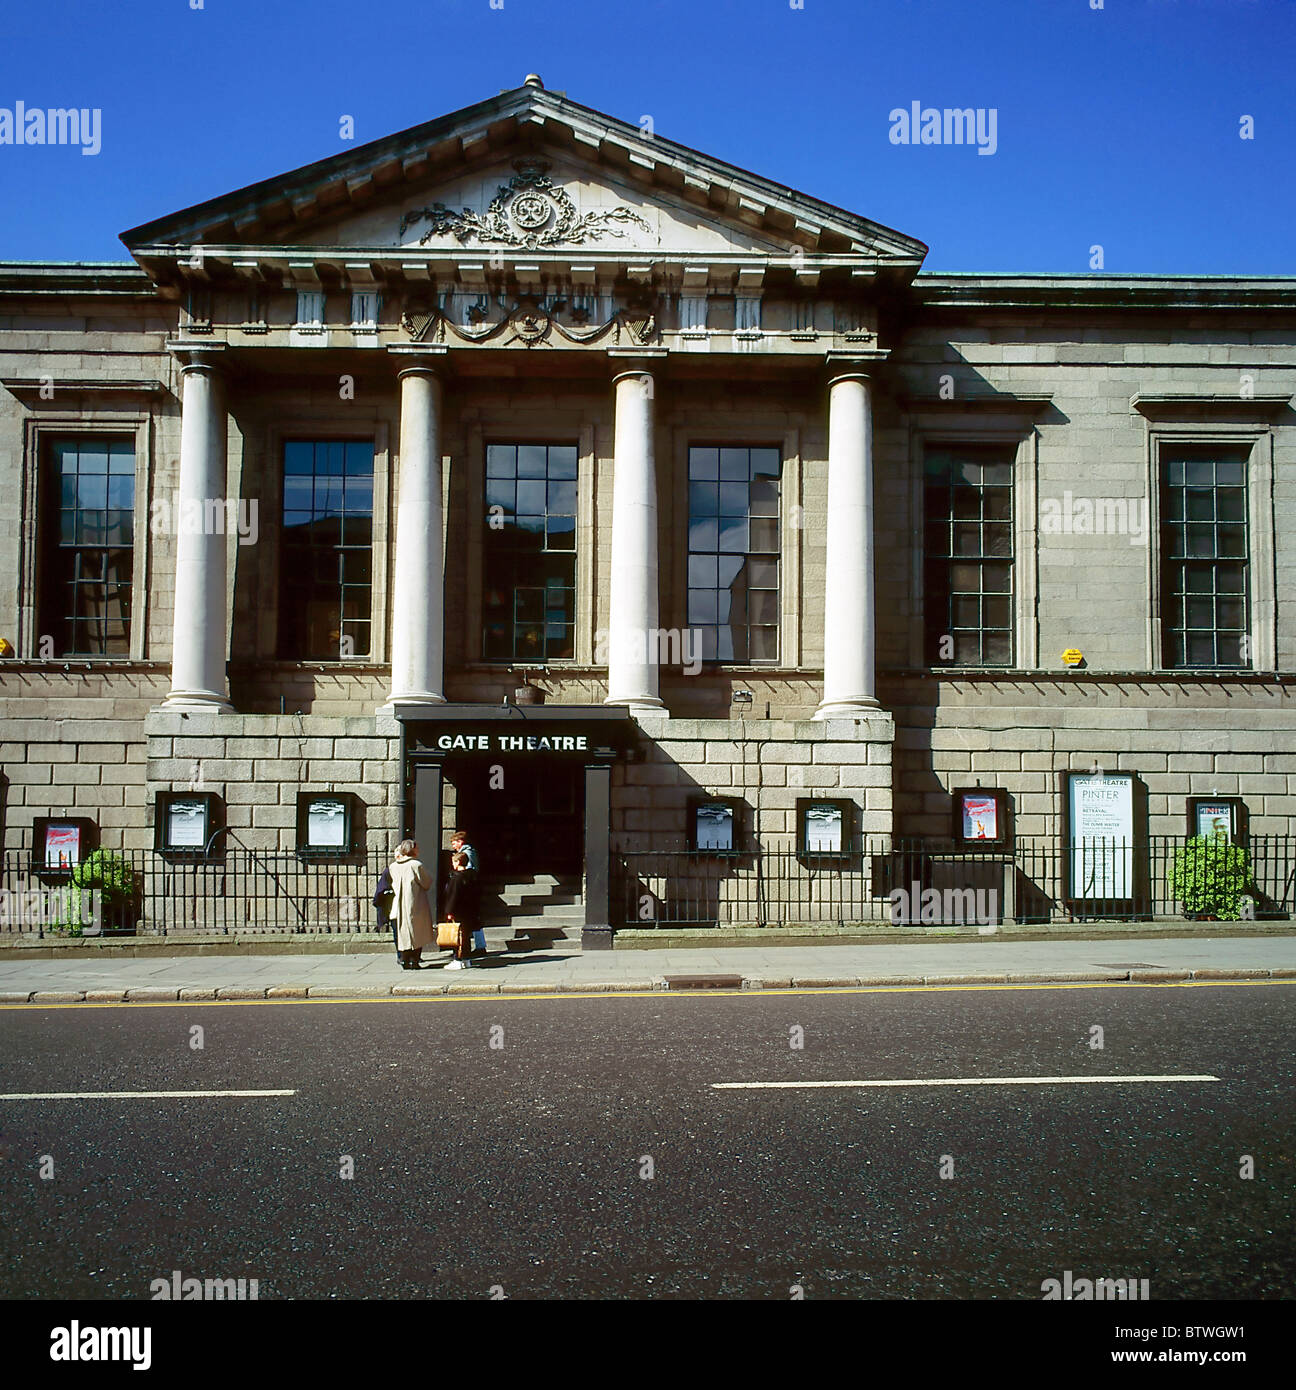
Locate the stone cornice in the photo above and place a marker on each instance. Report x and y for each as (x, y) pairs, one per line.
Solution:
(1082, 676)
(1178, 404)
(469, 267)
(118, 278)
(1019, 403)
(32, 390)
(1186, 292)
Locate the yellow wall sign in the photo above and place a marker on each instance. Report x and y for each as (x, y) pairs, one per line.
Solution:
(1072, 657)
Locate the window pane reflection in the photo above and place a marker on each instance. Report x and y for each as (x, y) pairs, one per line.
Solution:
(529, 556)
(733, 563)
(87, 525)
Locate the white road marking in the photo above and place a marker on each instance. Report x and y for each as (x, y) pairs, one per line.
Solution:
(135, 1095)
(948, 1081)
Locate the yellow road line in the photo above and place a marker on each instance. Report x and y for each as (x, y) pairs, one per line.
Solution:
(644, 994)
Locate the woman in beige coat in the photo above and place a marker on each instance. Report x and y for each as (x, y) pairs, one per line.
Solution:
(410, 909)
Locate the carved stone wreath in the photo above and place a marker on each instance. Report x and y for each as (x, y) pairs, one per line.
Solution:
(529, 211)
(529, 321)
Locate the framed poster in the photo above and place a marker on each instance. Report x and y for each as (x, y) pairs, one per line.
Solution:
(324, 821)
(1100, 835)
(824, 826)
(713, 824)
(61, 847)
(60, 843)
(184, 823)
(982, 818)
(1216, 815)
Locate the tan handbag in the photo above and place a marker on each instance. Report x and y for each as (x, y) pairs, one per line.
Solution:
(447, 934)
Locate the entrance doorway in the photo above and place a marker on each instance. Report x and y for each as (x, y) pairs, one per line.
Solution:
(531, 822)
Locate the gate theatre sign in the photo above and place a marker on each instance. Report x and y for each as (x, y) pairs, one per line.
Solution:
(575, 733)
(512, 743)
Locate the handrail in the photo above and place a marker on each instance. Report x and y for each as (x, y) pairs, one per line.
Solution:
(247, 849)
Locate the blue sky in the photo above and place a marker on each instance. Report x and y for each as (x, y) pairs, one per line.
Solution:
(1118, 126)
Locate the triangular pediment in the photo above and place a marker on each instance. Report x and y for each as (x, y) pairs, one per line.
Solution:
(532, 203)
(526, 173)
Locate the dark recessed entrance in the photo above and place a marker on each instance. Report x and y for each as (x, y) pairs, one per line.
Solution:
(525, 818)
(546, 808)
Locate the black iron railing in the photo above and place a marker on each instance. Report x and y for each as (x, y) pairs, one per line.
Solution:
(929, 882)
(237, 890)
(875, 882)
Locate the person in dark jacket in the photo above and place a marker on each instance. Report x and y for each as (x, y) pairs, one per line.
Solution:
(383, 897)
(463, 898)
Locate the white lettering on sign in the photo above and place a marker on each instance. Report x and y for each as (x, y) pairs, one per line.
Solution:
(513, 743)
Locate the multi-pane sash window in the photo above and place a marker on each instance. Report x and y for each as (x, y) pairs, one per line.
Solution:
(968, 560)
(733, 561)
(326, 559)
(529, 553)
(310, 309)
(1205, 591)
(87, 555)
(364, 309)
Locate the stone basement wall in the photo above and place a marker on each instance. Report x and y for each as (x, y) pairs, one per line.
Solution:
(76, 767)
(259, 762)
(765, 764)
(1230, 739)
(773, 762)
(111, 771)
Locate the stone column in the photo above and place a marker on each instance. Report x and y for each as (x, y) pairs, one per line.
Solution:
(418, 590)
(199, 640)
(633, 642)
(849, 623)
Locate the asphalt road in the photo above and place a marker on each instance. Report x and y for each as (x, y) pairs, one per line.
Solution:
(520, 1167)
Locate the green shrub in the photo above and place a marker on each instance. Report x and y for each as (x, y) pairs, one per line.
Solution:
(111, 877)
(1209, 877)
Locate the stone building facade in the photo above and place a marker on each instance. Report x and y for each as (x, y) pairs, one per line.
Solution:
(522, 398)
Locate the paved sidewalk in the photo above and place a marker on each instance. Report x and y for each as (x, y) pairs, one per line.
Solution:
(1162, 959)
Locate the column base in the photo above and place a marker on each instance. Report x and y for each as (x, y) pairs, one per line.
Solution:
(596, 936)
(196, 702)
(427, 697)
(639, 704)
(860, 707)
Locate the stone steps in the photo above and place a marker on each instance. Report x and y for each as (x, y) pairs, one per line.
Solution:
(528, 914)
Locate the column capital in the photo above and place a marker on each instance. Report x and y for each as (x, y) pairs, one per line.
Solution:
(625, 362)
(860, 365)
(419, 357)
(196, 354)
